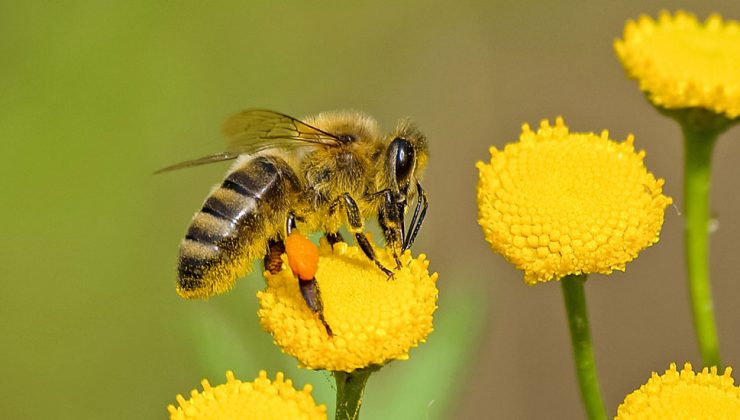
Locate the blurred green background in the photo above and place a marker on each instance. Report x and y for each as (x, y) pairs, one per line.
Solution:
(94, 96)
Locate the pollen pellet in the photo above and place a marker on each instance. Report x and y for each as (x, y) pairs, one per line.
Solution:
(303, 256)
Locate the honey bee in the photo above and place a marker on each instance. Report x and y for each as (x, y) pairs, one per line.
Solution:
(335, 169)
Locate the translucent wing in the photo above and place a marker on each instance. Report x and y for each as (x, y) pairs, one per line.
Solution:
(219, 157)
(258, 129)
(255, 130)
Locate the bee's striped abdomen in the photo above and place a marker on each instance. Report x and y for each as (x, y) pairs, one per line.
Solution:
(234, 224)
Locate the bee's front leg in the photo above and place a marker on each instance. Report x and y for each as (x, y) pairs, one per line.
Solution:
(419, 214)
(390, 218)
(356, 226)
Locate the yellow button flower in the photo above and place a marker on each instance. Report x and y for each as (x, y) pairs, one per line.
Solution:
(260, 399)
(682, 63)
(373, 319)
(558, 203)
(684, 395)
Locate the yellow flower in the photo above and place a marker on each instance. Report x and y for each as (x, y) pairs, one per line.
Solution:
(373, 319)
(684, 395)
(682, 63)
(260, 399)
(559, 203)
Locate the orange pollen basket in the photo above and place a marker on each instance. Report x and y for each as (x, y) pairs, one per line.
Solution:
(303, 256)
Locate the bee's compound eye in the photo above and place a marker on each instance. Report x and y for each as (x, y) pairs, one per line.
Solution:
(404, 158)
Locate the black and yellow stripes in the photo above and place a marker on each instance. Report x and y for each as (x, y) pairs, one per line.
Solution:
(234, 225)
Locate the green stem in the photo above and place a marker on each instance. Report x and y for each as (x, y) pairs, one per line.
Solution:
(350, 387)
(698, 147)
(575, 306)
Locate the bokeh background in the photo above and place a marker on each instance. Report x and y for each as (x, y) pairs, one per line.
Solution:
(94, 96)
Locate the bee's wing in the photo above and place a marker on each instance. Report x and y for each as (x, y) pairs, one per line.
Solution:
(255, 130)
(258, 129)
(219, 157)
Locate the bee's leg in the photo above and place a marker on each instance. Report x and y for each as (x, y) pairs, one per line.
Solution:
(309, 287)
(312, 296)
(273, 262)
(367, 248)
(290, 223)
(333, 237)
(276, 248)
(390, 218)
(354, 219)
(418, 218)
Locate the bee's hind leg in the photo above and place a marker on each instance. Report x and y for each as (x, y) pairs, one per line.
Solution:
(276, 247)
(312, 295)
(309, 287)
(354, 219)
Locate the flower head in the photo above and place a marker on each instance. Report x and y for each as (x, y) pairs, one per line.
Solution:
(373, 319)
(260, 399)
(682, 63)
(684, 395)
(558, 203)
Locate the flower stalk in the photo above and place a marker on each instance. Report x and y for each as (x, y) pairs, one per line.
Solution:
(688, 71)
(698, 147)
(575, 306)
(350, 389)
(701, 129)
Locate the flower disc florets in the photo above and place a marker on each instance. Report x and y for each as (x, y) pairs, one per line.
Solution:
(558, 203)
(682, 63)
(373, 319)
(684, 395)
(258, 400)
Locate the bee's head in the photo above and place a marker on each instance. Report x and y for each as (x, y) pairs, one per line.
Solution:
(405, 159)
